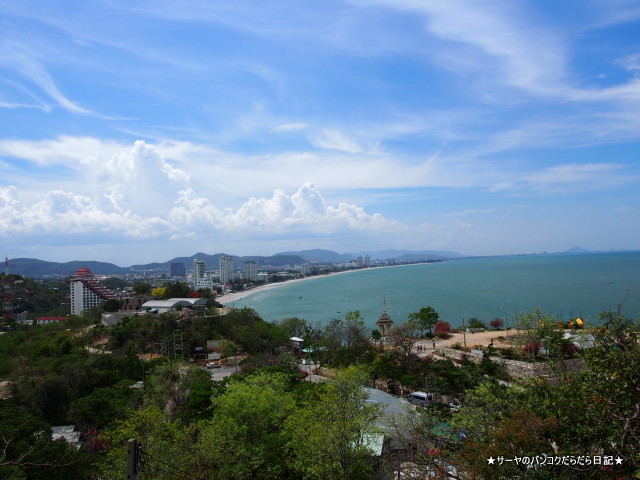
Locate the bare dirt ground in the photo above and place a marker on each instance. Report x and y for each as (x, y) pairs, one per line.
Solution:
(500, 338)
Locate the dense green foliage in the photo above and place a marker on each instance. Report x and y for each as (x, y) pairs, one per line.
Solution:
(591, 413)
(268, 423)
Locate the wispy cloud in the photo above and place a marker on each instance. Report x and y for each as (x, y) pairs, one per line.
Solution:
(290, 127)
(27, 64)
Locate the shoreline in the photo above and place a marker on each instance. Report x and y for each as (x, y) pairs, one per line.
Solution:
(232, 297)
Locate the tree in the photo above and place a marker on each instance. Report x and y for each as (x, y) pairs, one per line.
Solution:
(497, 323)
(168, 448)
(296, 327)
(425, 318)
(101, 407)
(177, 290)
(159, 292)
(403, 337)
(245, 438)
(442, 328)
(112, 305)
(376, 336)
(142, 289)
(476, 323)
(328, 435)
(346, 342)
(540, 331)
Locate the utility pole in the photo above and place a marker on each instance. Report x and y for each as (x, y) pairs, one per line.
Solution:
(7, 299)
(464, 333)
(133, 459)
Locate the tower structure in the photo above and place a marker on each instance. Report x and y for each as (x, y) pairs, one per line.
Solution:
(384, 322)
(251, 271)
(226, 269)
(177, 269)
(200, 277)
(7, 294)
(86, 291)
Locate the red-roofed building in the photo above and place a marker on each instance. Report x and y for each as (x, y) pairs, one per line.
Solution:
(86, 291)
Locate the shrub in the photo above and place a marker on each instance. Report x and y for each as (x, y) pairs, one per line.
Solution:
(475, 323)
(442, 327)
(497, 323)
(569, 349)
(532, 348)
(509, 353)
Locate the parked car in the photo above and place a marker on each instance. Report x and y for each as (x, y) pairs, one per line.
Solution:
(420, 398)
(213, 365)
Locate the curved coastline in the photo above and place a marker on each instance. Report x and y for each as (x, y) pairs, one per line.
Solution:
(232, 297)
(486, 288)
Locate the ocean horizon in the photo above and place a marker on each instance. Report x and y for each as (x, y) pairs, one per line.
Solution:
(567, 286)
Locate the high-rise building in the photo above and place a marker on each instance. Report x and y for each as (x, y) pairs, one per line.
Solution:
(177, 269)
(200, 277)
(367, 261)
(226, 269)
(199, 269)
(251, 271)
(86, 292)
(305, 268)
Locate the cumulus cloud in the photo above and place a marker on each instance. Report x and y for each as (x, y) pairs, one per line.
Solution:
(305, 210)
(140, 179)
(69, 215)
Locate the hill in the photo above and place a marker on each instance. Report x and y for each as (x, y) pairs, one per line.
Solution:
(319, 256)
(34, 268)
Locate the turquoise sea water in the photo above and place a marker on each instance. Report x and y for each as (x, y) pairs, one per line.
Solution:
(565, 285)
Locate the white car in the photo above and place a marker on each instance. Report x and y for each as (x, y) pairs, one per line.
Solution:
(213, 365)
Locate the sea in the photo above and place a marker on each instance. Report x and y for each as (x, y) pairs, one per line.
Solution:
(567, 286)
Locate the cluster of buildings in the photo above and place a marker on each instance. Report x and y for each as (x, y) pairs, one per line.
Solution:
(225, 276)
(87, 292)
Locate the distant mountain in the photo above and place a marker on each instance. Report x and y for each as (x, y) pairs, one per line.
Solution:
(212, 262)
(577, 250)
(319, 256)
(329, 256)
(32, 267)
(410, 255)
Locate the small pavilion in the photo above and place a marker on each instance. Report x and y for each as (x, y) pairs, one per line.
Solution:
(384, 323)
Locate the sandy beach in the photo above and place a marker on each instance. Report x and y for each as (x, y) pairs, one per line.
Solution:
(232, 297)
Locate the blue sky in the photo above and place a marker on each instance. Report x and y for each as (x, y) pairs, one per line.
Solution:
(137, 131)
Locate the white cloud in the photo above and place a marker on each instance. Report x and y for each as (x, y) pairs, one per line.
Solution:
(577, 177)
(630, 62)
(290, 127)
(114, 175)
(335, 140)
(66, 214)
(506, 42)
(305, 210)
(27, 63)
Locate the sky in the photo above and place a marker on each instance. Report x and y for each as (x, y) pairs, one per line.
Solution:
(138, 131)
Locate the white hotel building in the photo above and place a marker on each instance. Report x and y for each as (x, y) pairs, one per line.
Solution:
(86, 292)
